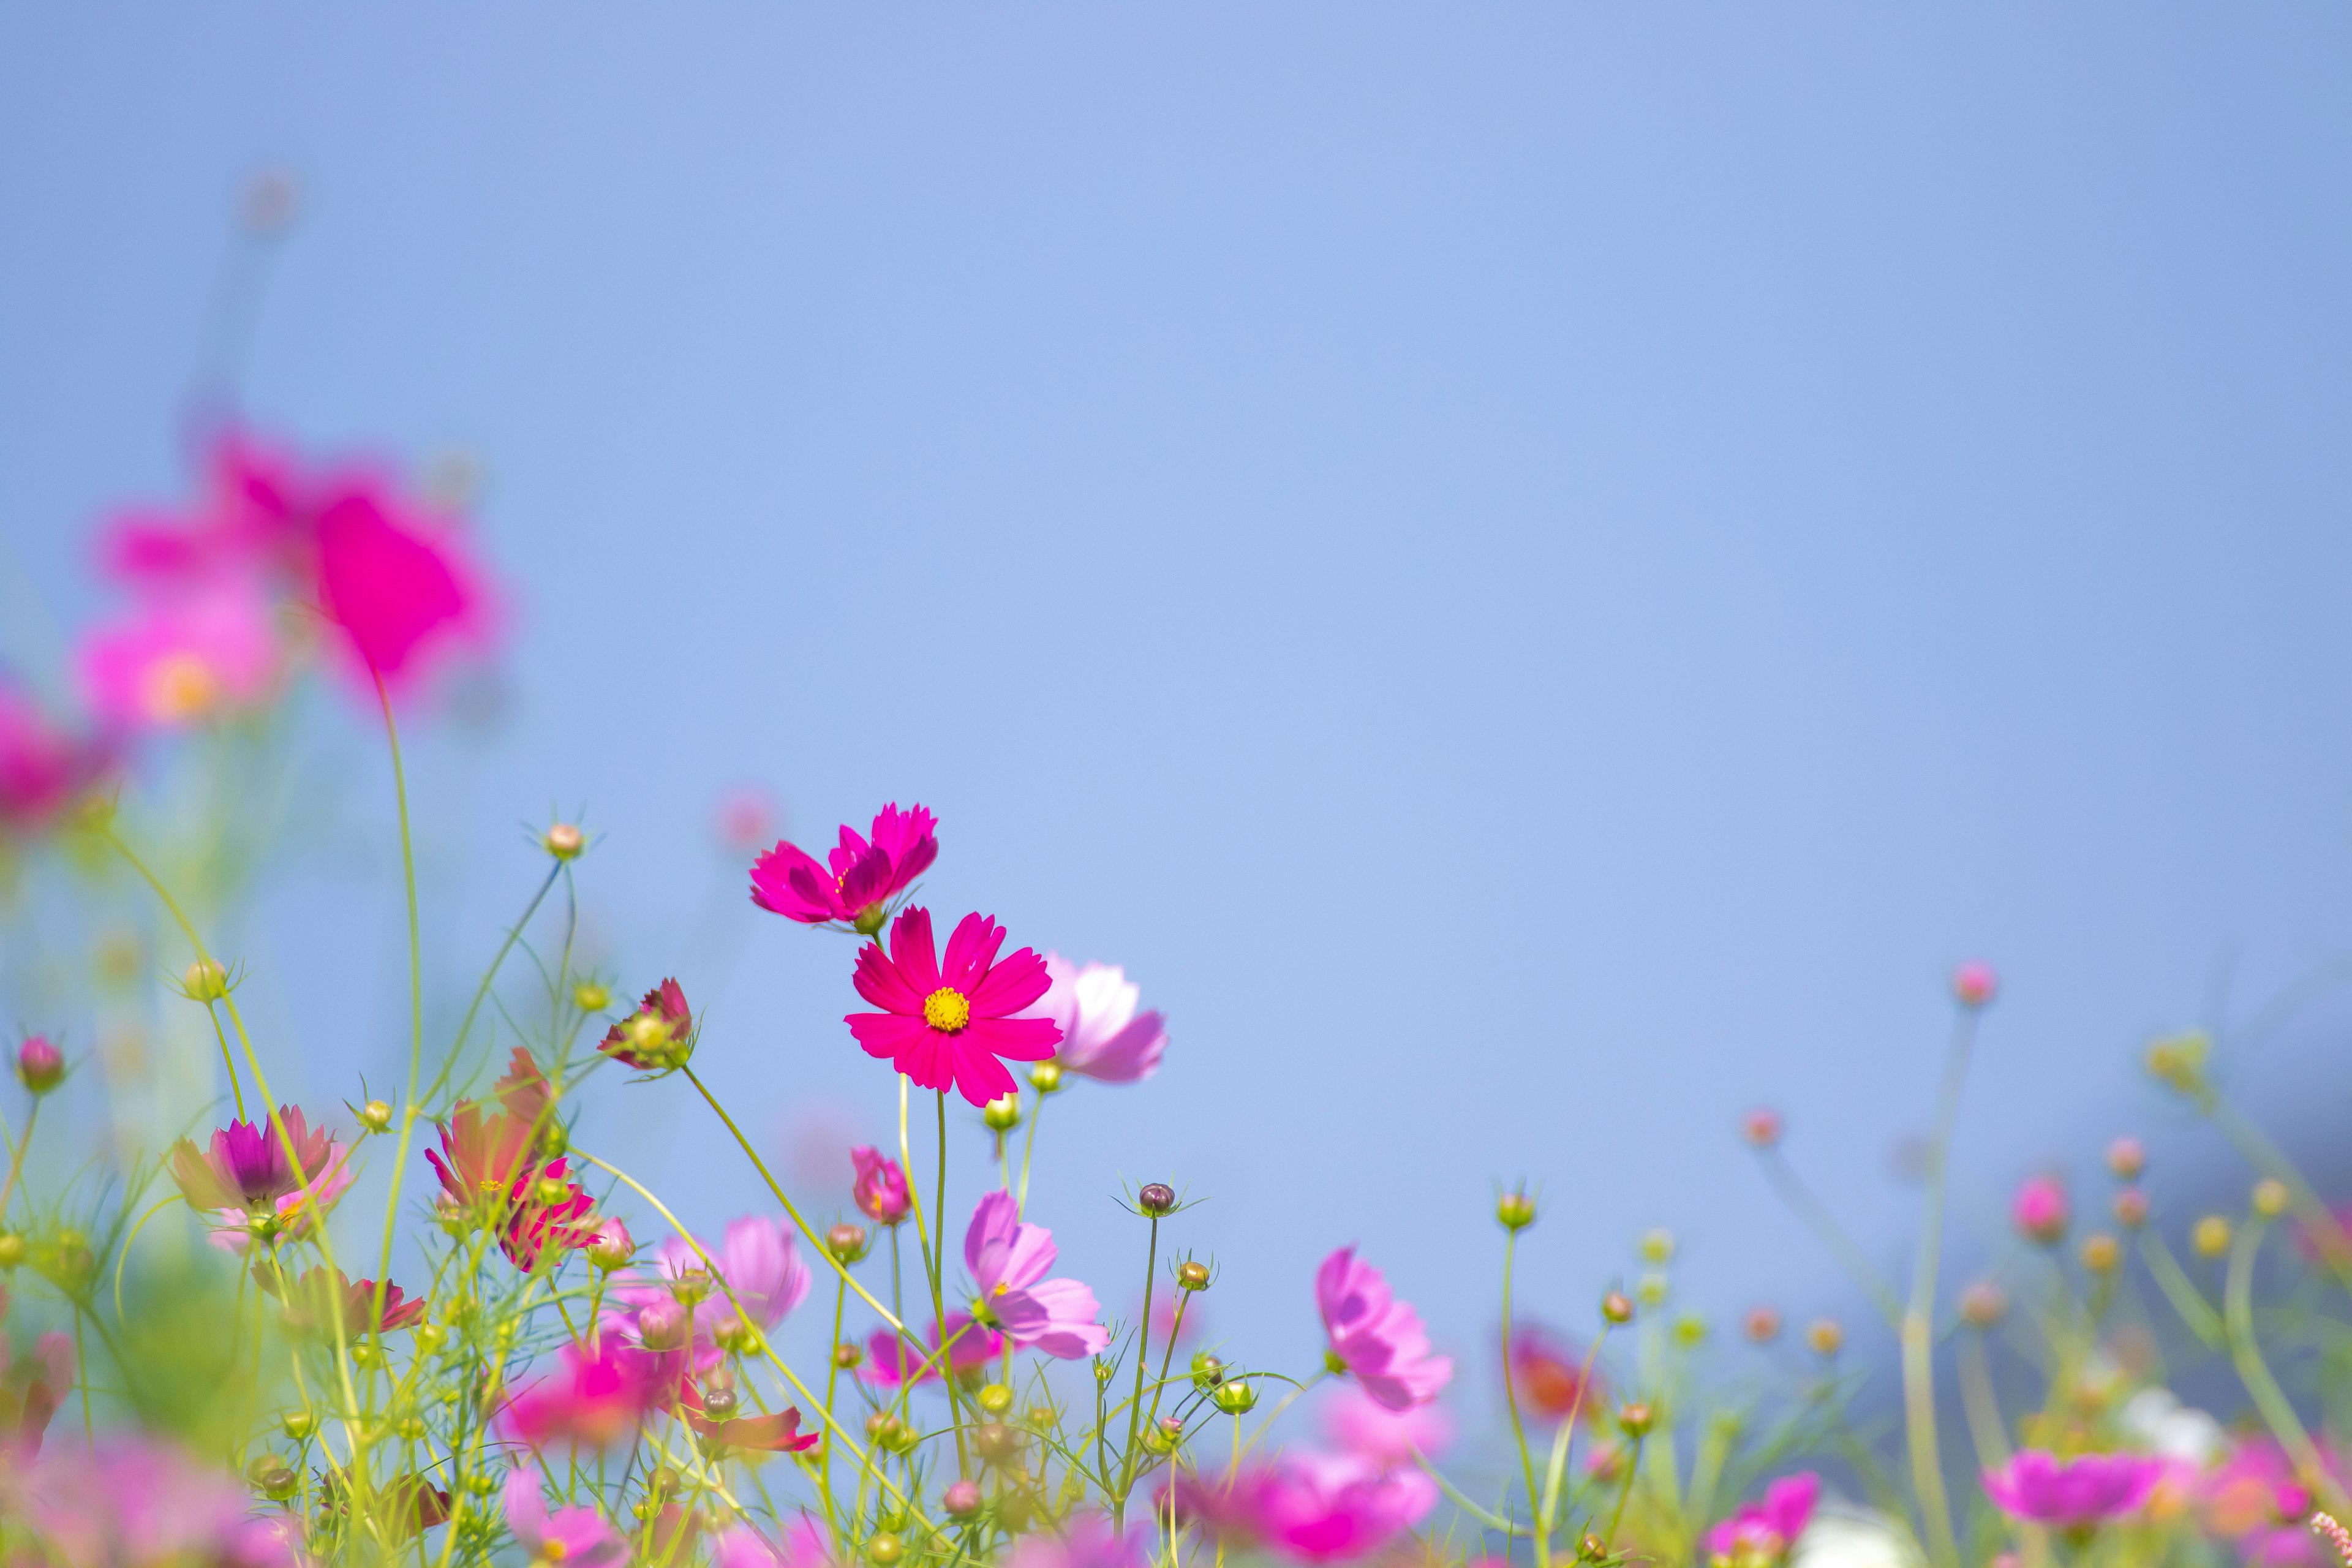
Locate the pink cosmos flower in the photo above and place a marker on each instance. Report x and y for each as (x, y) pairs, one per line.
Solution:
(398, 584)
(948, 1023)
(880, 1189)
(778, 1432)
(802, 1545)
(2256, 1499)
(1374, 1336)
(42, 768)
(1307, 1507)
(1086, 1541)
(134, 1501)
(1386, 1439)
(864, 876)
(488, 1165)
(758, 1261)
(30, 1390)
(251, 520)
(1103, 1036)
(597, 1397)
(665, 1001)
(574, 1536)
(970, 1346)
(1762, 1532)
(183, 659)
(2072, 1494)
(246, 1187)
(2040, 1211)
(1008, 1260)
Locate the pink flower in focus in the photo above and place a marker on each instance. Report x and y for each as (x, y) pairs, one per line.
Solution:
(864, 876)
(183, 659)
(880, 1189)
(1103, 1036)
(594, 1398)
(1375, 1337)
(1086, 1541)
(42, 768)
(1386, 1439)
(970, 1347)
(944, 1025)
(1762, 1532)
(251, 1186)
(1008, 1260)
(2040, 1211)
(398, 585)
(2077, 1494)
(132, 1501)
(577, 1536)
(1974, 985)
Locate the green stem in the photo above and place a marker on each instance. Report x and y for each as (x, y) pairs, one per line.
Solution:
(2277, 1413)
(2182, 1292)
(17, 1160)
(1518, 1425)
(939, 1291)
(1917, 1329)
(1549, 1517)
(1142, 1354)
(1826, 1229)
(1028, 1150)
(1624, 1491)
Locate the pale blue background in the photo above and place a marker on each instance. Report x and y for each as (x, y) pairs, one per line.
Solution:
(1537, 572)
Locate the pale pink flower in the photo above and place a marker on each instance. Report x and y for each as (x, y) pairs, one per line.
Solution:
(1009, 1260)
(577, 1537)
(1103, 1036)
(889, 1360)
(1308, 1507)
(131, 1502)
(2073, 1494)
(802, 1544)
(1386, 1439)
(2256, 1499)
(1086, 1541)
(1763, 1531)
(759, 1262)
(2039, 1210)
(1375, 1337)
(251, 520)
(183, 659)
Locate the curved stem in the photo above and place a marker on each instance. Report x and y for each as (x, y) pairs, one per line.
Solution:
(1566, 1437)
(1918, 1317)
(2277, 1413)
(17, 1160)
(1826, 1229)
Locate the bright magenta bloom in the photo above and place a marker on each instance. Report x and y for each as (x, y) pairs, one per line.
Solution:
(398, 585)
(593, 1399)
(246, 1187)
(2041, 1211)
(970, 1346)
(1308, 1507)
(1103, 1036)
(183, 659)
(880, 1189)
(665, 1001)
(2073, 1494)
(864, 876)
(574, 1536)
(1762, 1532)
(251, 521)
(42, 768)
(134, 1501)
(1008, 1260)
(489, 1166)
(1374, 1336)
(948, 1023)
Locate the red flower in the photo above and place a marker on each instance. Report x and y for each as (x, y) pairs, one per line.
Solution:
(858, 888)
(312, 1303)
(948, 1023)
(712, 1417)
(489, 1166)
(665, 1004)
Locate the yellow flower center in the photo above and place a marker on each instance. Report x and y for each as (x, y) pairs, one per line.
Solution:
(947, 1009)
(554, 1551)
(1001, 1288)
(179, 686)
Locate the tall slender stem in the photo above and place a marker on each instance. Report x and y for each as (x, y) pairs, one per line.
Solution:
(416, 1003)
(938, 1291)
(1918, 1316)
(17, 1160)
(1142, 1354)
(2277, 1412)
(1511, 1398)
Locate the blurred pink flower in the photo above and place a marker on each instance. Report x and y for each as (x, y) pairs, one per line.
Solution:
(1974, 983)
(970, 1347)
(861, 879)
(777, 1432)
(42, 768)
(1375, 1337)
(249, 520)
(1009, 1260)
(595, 1397)
(944, 1025)
(2072, 1494)
(880, 1189)
(2039, 1210)
(1762, 1532)
(1548, 1373)
(578, 1537)
(133, 1502)
(1086, 1541)
(1103, 1036)
(802, 1544)
(313, 1303)
(1308, 1507)
(2256, 1499)
(1386, 1439)
(183, 659)
(30, 1390)
(758, 1261)
(744, 819)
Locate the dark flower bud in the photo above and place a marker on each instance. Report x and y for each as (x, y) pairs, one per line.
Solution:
(272, 1477)
(719, 1404)
(1156, 1198)
(997, 1443)
(1207, 1370)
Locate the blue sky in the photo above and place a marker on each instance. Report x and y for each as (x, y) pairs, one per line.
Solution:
(1538, 573)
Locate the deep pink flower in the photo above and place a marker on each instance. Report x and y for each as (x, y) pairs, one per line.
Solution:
(578, 1537)
(1009, 1260)
(1086, 1541)
(664, 1002)
(314, 1303)
(183, 659)
(1762, 1532)
(759, 1262)
(1103, 1036)
(249, 1186)
(1375, 1337)
(133, 1502)
(970, 1346)
(2040, 1211)
(2072, 1494)
(42, 768)
(880, 1189)
(398, 584)
(1308, 1507)
(864, 876)
(488, 1164)
(595, 1397)
(948, 1023)
(40, 1065)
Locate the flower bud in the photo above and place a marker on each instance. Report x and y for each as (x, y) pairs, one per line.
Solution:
(662, 1326)
(719, 1404)
(732, 1334)
(1616, 1309)
(2127, 1159)
(2101, 1252)
(2178, 1061)
(1825, 1336)
(846, 1242)
(1045, 1076)
(591, 997)
(204, 981)
(1003, 1113)
(2041, 1211)
(12, 1249)
(1156, 1198)
(1164, 1435)
(272, 1477)
(375, 1115)
(299, 1424)
(2131, 1208)
(1235, 1397)
(2212, 1236)
(2270, 1196)
(1658, 1246)
(1761, 1127)
(847, 1354)
(995, 1401)
(996, 1443)
(1983, 1304)
(1591, 1548)
(1191, 1275)
(878, 1425)
(884, 1549)
(1039, 1418)
(1516, 1210)
(1762, 1324)
(1690, 1329)
(564, 841)
(691, 1285)
(1103, 1371)
(1636, 1419)
(613, 1246)
(1974, 983)
(962, 1499)
(39, 1066)
(1207, 1370)
(430, 1338)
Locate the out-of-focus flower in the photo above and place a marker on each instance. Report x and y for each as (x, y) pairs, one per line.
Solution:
(312, 1303)
(970, 1346)
(2039, 1210)
(2076, 1494)
(1009, 1260)
(407, 1505)
(2155, 1419)
(1546, 1372)
(1760, 1533)
(40, 1065)
(1103, 1036)
(574, 1536)
(182, 659)
(1853, 1538)
(2127, 1158)
(397, 581)
(2256, 1499)
(594, 1398)
(800, 1544)
(665, 1045)
(1761, 1127)
(249, 522)
(744, 819)
(1974, 983)
(1375, 1337)
(42, 767)
(1307, 1507)
(864, 876)
(880, 1189)
(489, 1166)
(712, 1416)
(1084, 1540)
(948, 1024)
(30, 1390)
(132, 1502)
(1386, 1439)
(262, 1182)
(2322, 1245)
(758, 1260)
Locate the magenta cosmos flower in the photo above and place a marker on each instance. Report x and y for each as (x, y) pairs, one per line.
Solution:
(2040, 1211)
(136, 1502)
(1762, 1532)
(250, 1184)
(1103, 1036)
(1374, 1337)
(395, 580)
(1009, 1260)
(880, 1187)
(864, 875)
(665, 1004)
(1307, 1507)
(803, 1544)
(948, 1024)
(183, 659)
(578, 1537)
(593, 1399)
(42, 767)
(2077, 1494)
(890, 1361)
